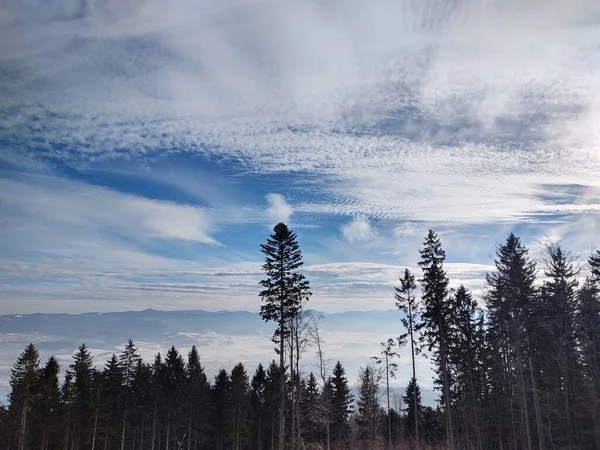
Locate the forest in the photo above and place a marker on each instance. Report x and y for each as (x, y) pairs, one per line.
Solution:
(518, 368)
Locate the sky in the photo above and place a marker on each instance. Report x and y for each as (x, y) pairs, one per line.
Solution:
(147, 148)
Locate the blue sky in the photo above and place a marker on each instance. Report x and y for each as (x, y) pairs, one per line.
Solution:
(147, 148)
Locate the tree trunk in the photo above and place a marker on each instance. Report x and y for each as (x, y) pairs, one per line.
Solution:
(22, 427)
(168, 429)
(414, 373)
(282, 378)
(154, 428)
(446, 381)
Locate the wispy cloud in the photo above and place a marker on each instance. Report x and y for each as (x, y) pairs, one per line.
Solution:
(440, 112)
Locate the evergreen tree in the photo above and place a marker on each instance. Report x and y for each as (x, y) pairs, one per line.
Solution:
(464, 356)
(83, 401)
(48, 415)
(25, 392)
(412, 397)
(128, 362)
(369, 411)
(341, 404)
(273, 401)
(509, 298)
(406, 302)
(221, 413)
(258, 389)
(174, 395)
(310, 410)
(436, 313)
(284, 292)
(112, 401)
(197, 400)
(240, 406)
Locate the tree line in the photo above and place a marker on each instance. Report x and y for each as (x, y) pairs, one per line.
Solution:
(520, 369)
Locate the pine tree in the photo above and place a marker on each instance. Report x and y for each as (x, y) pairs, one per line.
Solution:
(25, 392)
(412, 397)
(82, 370)
(49, 411)
(436, 313)
(464, 356)
(509, 298)
(406, 302)
(112, 401)
(198, 390)
(310, 410)
(128, 361)
(285, 291)
(174, 396)
(369, 412)
(221, 413)
(258, 389)
(240, 406)
(273, 401)
(341, 404)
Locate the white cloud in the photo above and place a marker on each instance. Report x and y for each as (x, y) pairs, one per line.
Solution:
(65, 205)
(279, 209)
(442, 115)
(358, 231)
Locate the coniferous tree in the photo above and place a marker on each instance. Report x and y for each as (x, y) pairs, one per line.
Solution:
(221, 413)
(174, 396)
(25, 385)
(369, 411)
(83, 398)
(128, 362)
(284, 292)
(436, 315)
(341, 404)
(406, 302)
(464, 356)
(258, 389)
(412, 397)
(112, 401)
(240, 406)
(587, 330)
(48, 415)
(198, 390)
(509, 298)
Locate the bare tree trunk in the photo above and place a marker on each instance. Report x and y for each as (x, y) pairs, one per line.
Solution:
(387, 388)
(281, 377)
(524, 403)
(123, 426)
(23, 426)
(154, 428)
(95, 425)
(168, 428)
(446, 381)
(414, 373)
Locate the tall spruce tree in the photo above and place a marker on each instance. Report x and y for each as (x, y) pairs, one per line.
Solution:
(406, 302)
(412, 397)
(197, 393)
(221, 412)
(240, 406)
(509, 298)
(341, 404)
(436, 315)
(284, 292)
(369, 411)
(83, 373)
(25, 392)
(48, 415)
(258, 399)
